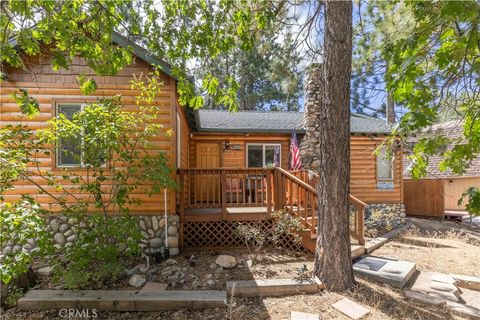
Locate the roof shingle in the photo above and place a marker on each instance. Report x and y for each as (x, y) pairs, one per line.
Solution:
(275, 122)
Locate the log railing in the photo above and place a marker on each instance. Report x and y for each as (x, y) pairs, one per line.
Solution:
(274, 188)
(297, 197)
(357, 218)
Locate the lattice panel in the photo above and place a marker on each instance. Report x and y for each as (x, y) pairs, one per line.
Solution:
(222, 234)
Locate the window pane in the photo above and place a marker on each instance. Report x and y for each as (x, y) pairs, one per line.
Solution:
(270, 155)
(69, 152)
(255, 156)
(384, 166)
(69, 110)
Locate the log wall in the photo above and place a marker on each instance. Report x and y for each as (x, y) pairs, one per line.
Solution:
(50, 87)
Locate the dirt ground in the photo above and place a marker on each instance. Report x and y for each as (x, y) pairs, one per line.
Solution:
(434, 245)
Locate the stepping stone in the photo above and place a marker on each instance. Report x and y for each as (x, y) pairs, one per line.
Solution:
(296, 315)
(393, 272)
(423, 298)
(469, 282)
(121, 300)
(464, 311)
(272, 287)
(426, 284)
(350, 308)
(150, 287)
(471, 297)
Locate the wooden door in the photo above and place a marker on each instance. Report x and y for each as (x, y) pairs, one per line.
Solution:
(208, 183)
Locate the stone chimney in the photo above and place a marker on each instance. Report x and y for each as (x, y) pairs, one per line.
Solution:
(314, 88)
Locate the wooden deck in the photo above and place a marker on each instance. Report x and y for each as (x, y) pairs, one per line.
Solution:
(212, 201)
(233, 214)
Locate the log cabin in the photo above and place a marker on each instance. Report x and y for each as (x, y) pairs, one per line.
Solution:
(231, 167)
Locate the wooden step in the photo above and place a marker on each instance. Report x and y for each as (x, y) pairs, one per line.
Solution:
(273, 287)
(121, 300)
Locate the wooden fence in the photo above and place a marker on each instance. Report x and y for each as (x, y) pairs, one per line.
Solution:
(424, 197)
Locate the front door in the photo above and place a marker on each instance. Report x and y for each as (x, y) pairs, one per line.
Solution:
(208, 183)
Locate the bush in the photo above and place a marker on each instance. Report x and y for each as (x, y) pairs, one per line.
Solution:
(20, 222)
(258, 236)
(118, 162)
(97, 256)
(472, 195)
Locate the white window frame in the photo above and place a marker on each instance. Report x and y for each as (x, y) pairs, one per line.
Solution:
(392, 178)
(263, 153)
(57, 153)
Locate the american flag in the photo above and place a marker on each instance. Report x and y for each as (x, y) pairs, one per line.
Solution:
(295, 162)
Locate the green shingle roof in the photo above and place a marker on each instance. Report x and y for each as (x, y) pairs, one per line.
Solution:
(275, 122)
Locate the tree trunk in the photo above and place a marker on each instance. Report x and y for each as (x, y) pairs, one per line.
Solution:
(333, 264)
(390, 110)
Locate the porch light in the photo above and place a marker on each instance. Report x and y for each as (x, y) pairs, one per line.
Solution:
(226, 146)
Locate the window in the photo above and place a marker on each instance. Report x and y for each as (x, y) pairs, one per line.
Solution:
(384, 166)
(263, 155)
(69, 151)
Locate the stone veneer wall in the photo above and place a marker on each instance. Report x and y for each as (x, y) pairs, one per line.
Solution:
(397, 208)
(152, 230)
(310, 142)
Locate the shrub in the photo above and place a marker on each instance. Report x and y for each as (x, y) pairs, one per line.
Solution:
(97, 256)
(20, 222)
(258, 236)
(472, 195)
(118, 163)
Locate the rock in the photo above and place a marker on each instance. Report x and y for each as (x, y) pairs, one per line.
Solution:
(213, 266)
(219, 270)
(72, 238)
(54, 224)
(64, 227)
(172, 278)
(59, 238)
(16, 248)
(68, 233)
(156, 242)
(211, 282)
(155, 223)
(172, 242)
(148, 223)
(7, 249)
(72, 221)
(137, 280)
(142, 225)
(248, 263)
(45, 271)
(172, 231)
(131, 272)
(225, 261)
(161, 223)
(174, 251)
(171, 262)
(141, 268)
(144, 235)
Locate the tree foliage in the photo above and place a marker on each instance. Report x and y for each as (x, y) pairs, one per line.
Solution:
(117, 162)
(434, 67)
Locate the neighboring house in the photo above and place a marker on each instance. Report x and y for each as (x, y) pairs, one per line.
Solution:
(437, 194)
(224, 161)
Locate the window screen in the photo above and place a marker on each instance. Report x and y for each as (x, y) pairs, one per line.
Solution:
(69, 151)
(384, 166)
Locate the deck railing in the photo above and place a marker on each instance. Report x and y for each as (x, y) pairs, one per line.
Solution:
(274, 188)
(225, 188)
